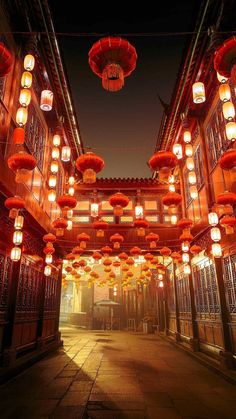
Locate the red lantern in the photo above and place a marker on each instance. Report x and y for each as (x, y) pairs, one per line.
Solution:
(106, 250)
(186, 236)
(226, 198)
(116, 263)
(48, 250)
(49, 238)
(6, 60)
(152, 238)
(172, 199)
(21, 163)
(123, 256)
(225, 58)
(107, 262)
(185, 223)
(14, 204)
(195, 249)
(165, 251)
(148, 257)
(130, 262)
(112, 59)
(100, 226)
(116, 239)
(19, 135)
(82, 263)
(96, 256)
(75, 265)
(83, 238)
(176, 257)
(89, 164)
(135, 251)
(67, 202)
(77, 251)
(228, 159)
(59, 225)
(70, 257)
(228, 223)
(118, 201)
(163, 162)
(141, 225)
(68, 269)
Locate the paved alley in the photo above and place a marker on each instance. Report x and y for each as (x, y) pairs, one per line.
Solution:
(117, 375)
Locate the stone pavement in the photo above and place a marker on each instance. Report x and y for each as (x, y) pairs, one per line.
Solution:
(117, 375)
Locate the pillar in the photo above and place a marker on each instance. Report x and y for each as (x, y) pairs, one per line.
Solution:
(178, 330)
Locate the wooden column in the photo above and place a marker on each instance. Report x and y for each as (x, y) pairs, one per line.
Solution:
(178, 330)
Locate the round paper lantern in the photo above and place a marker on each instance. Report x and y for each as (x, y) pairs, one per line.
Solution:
(83, 238)
(229, 223)
(148, 257)
(6, 60)
(116, 263)
(19, 135)
(100, 226)
(152, 238)
(116, 239)
(96, 256)
(172, 199)
(106, 250)
(22, 163)
(225, 58)
(67, 202)
(48, 250)
(185, 223)
(130, 262)
(59, 225)
(70, 257)
(163, 162)
(135, 251)
(112, 59)
(89, 164)
(77, 251)
(226, 198)
(228, 159)
(118, 201)
(140, 225)
(107, 262)
(165, 251)
(176, 257)
(14, 204)
(195, 249)
(49, 238)
(186, 236)
(123, 256)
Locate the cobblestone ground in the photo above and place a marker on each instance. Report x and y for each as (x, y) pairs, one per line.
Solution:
(117, 375)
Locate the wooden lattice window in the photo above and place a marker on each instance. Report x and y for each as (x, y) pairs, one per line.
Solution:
(184, 301)
(5, 270)
(199, 166)
(205, 287)
(35, 137)
(51, 293)
(230, 281)
(170, 294)
(28, 293)
(217, 142)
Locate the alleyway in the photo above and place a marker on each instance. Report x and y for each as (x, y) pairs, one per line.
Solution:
(117, 375)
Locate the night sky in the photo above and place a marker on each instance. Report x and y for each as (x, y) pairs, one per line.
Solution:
(122, 127)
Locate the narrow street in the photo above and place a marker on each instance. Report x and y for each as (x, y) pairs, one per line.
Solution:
(117, 375)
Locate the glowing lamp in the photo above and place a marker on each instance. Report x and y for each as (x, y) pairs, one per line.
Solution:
(190, 163)
(198, 92)
(47, 270)
(171, 179)
(189, 150)
(69, 225)
(185, 246)
(19, 222)
(228, 110)
(94, 209)
(171, 188)
(224, 92)
(29, 62)
(55, 153)
(185, 258)
(222, 79)
(17, 237)
(26, 80)
(71, 180)
(187, 137)
(173, 219)
(48, 258)
(215, 234)
(213, 219)
(65, 153)
(21, 116)
(192, 178)
(177, 150)
(56, 140)
(138, 212)
(193, 192)
(70, 213)
(54, 167)
(52, 181)
(46, 100)
(25, 97)
(161, 284)
(71, 191)
(231, 131)
(187, 269)
(216, 250)
(51, 196)
(15, 254)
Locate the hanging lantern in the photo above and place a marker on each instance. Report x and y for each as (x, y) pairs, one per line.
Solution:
(14, 204)
(94, 209)
(230, 128)
(135, 251)
(163, 162)
(222, 79)
(66, 202)
(52, 196)
(65, 153)
(213, 219)
(228, 110)
(89, 164)
(123, 256)
(141, 225)
(138, 210)
(224, 92)
(215, 234)
(195, 249)
(96, 256)
(71, 180)
(49, 238)
(186, 236)
(190, 163)
(187, 137)
(22, 163)
(52, 181)
(70, 213)
(25, 97)
(116, 239)
(47, 270)
(106, 250)
(15, 254)
(6, 60)
(165, 251)
(83, 238)
(54, 167)
(46, 100)
(187, 270)
(198, 92)
(26, 80)
(148, 257)
(69, 225)
(55, 153)
(160, 284)
(185, 223)
(216, 250)
(118, 201)
(19, 135)
(21, 116)
(226, 198)
(171, 188)
(56, 140)
(185, 258)
(193, 192)
(228, 222)
(172, 199)
(71, 191)
(192, 178)
(49, 249)
(173, 219)
(19, 222)
(48, 259)
(171, 179)
(185, 247)
(17, 237)
(29, 62)
(152, 239)
(177, 150)
(228, 159)
(77, 251)
(59, 225)
(112, 59)
(225, 57)
(176, 257)
(189, 150)
(100, 227)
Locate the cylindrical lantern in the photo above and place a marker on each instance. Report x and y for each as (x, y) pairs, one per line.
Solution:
(187, 270)
(70, 213)
(15, 254)
(187, 137)
(94, 209)
(185, 258)
(71, 180)
(173, 219)
(47, 270)
(231, 131)
(185, 247)
(21, 116)
(17, 237)
(29, 62)
(19, 222)
(55, 153)
(52, 181)
(224, 92)
(177, 150)
(56, 140)
(161, 284)
(193, 192)
(190, 163)
(46, 100)
(171, 188)
(71, 191)
(222, 79)
(189, 150)
(192, 178)
(48, 258)
(228, 110)
(51, 196)
(138, 212)
(215, 234)
(54, 167)
(199, 92)
(26, 80)
(25, 97)
(216, 250)
(213, 219)
(69, 225)
(65, 153)
(18, 135)
(171, 179)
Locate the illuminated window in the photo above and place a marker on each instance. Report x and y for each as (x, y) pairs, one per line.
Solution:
(36, 184)
(81, 219)
(150, 205)
(152, 218)
(108, 219)
(126, 219)
(106, 206)
(82, 206)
